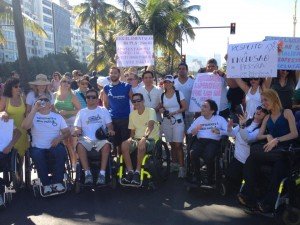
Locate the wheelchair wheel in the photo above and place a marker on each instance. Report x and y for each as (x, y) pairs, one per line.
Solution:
(161, 159)
(27, 170)
(16, 170)
(291, 216)
(222, 189)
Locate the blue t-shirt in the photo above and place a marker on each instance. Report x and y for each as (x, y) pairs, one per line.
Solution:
(118, 98)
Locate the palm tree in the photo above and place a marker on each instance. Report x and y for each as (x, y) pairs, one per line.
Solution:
(6, 15)
(96, 13)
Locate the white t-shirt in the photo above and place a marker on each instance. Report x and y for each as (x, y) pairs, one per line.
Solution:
(152, 98)
(242, 139)
(207, 125)
(185, 88)
(31, 99)
(172, 105)
(45, 128)
(89, 120)
(252, 102)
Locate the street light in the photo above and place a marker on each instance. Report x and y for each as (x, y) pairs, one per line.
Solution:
(95, 5)
(295, 19)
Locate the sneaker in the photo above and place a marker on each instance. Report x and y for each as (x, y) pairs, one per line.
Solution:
(100, 180)
(58, 187)
(136, 178)
(1, 201)
(128, 177)
(88, 179)
(47, 190)
(174, 167)
(181, 172)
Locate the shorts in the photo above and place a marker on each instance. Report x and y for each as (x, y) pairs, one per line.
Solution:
(121, 130)
(173, 132)
(89, 144)
(150, 144)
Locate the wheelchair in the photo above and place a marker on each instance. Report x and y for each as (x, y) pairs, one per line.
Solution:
(287, 206)
(11, 167)
(94, 159)
(155, 166)
(36, 183)
(221, 163)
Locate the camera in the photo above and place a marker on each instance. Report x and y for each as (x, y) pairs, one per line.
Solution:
(166, 113)
(43, 103)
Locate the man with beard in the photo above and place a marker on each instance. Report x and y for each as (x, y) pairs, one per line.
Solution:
(116, 99)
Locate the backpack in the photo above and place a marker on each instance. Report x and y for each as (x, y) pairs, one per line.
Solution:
(178, 100)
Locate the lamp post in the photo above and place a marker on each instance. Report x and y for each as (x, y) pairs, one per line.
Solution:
(295, 19)
(95, 5)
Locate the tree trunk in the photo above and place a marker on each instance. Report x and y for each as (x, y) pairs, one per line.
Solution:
(20, 38)
(95, 44)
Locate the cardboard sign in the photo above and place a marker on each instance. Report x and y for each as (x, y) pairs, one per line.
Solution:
(289, 56)
(255, 59)
(206, 86)
(6, 130)
(135, 50)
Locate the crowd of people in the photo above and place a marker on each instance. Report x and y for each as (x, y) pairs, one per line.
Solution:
(71, 108)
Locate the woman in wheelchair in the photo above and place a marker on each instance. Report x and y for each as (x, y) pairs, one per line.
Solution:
(244, 134)
(278, 129)
(208, 128)
(87, 122)
(5, 158)
(48, 130)
(144, 134)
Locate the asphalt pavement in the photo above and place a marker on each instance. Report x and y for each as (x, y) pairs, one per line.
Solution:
(171, 204)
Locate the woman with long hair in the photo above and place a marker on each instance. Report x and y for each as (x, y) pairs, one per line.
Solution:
(173, 105)
(55, 82)
(40, 86)
(284, 85)
(67, 105)
(13, 103)
(281, 132)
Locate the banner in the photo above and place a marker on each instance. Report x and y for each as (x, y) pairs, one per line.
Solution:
(6, 133)
(206, 86)
(135, 51)
(289, 56)
(256, 59)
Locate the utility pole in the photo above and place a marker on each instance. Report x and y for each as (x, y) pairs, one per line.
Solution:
(295, 19)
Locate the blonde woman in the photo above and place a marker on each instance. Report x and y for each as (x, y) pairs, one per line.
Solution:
(67, 105)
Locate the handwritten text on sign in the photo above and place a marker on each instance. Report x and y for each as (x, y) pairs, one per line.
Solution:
(256, 59)
(206, 86)
(289, 58)
(135, 50)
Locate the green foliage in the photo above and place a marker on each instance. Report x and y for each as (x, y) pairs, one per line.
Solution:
(61, 62)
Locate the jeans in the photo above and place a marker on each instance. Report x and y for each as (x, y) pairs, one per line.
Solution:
(39, 157)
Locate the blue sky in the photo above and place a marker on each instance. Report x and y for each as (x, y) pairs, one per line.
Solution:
(254, 19)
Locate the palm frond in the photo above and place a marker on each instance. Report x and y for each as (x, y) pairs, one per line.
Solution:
(34, 27)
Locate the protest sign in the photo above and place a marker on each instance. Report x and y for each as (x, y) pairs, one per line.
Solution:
(256, 59)
(289, 56)
(206, 86)
(6, 133)
(135, 50)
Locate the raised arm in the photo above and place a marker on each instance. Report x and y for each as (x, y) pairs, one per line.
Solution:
(242, 84)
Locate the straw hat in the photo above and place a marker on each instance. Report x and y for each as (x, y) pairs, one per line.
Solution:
(40, 79)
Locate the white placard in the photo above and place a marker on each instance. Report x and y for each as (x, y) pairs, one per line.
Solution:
(206, 86)
(135, 50)
(6, 133)
(289, 57)
(255, 59)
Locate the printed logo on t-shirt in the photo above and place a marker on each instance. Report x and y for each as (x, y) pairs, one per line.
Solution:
(94, 119)
(46, 120)
(208, 126)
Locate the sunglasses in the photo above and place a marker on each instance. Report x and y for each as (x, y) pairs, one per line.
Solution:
(265, 111)
(44, 99)
(91, 97)
(65, 81)
(135, 101)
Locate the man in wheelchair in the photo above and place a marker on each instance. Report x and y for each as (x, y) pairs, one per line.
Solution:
(144, 134)
(4, 158)
(48, 130)
(91, 124)
(208, 128)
